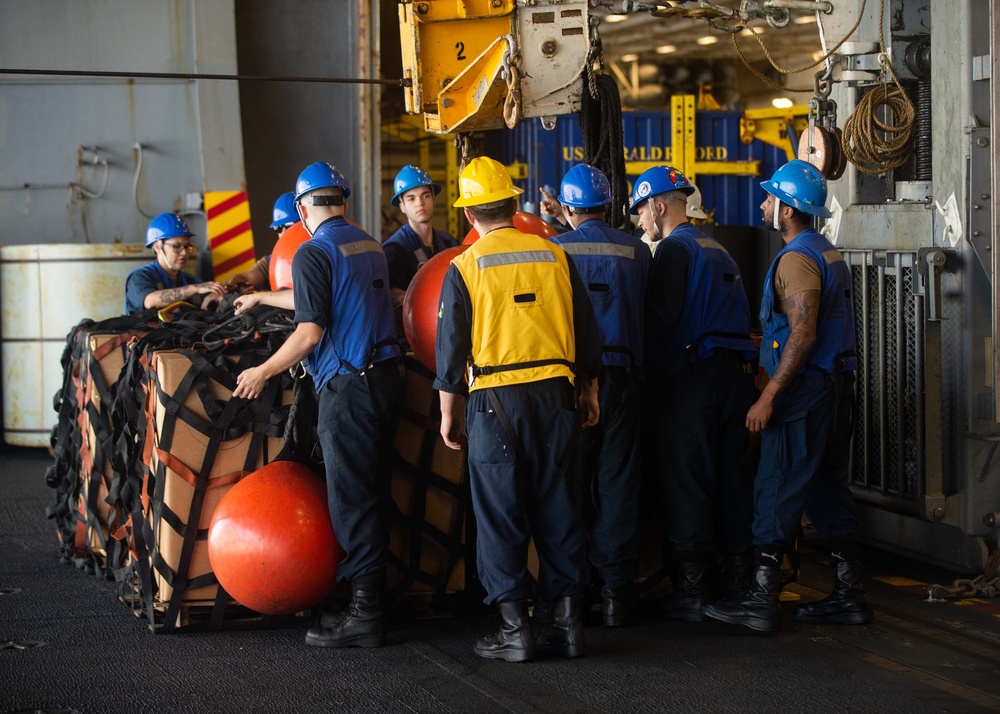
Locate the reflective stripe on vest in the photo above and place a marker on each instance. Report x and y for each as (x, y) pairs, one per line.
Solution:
(611, 249)
(359, 247)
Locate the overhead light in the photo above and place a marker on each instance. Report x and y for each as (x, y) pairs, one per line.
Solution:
(804, 19)
(707, 40)
(649, 70)
(781, 103)
(750, 33)
(630, 57)
(666, 49)
(615, 18)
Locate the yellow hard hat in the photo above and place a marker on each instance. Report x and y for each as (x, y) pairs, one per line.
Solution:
(484, 180)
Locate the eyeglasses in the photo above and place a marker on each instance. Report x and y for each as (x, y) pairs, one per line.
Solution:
(179, 248)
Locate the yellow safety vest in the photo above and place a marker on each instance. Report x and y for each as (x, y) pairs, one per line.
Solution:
(522, 309)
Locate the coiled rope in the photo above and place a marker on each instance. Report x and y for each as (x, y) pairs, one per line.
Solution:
(873, 153)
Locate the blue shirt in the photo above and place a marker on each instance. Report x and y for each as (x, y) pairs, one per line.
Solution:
(341, 283)
(149, 279)
(406, 253)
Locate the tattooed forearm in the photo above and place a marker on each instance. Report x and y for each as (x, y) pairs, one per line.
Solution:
(162, 298)
(803, 315)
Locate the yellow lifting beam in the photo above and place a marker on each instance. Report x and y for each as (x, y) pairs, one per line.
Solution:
(771, 125)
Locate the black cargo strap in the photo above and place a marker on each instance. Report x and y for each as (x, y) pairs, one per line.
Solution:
(691, 351)
(840, 360)
(516, 446)
(478, 371)
(424, 478)
(368, 363)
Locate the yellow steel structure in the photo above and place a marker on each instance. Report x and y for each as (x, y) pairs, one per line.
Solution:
(771, 126)
(441, 39)
(682, 134)
(485, 64)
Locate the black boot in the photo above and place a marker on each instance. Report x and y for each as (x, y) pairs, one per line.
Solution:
(515, 642)
(759, 608)
(690, 592)
(564, 637)
(846, 605)
(361, 625)
(617, 606)
(737, 572)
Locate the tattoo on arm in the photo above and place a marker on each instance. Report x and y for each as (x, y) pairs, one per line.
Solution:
(172, 295)
(803, 315)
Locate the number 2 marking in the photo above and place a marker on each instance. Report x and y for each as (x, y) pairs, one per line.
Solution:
(460, 46)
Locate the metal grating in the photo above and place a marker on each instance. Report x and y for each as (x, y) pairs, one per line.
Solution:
(887, 456)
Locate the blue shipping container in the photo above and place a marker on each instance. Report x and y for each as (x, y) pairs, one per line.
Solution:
(735, 200)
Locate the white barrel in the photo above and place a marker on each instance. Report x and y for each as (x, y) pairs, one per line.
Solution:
(45, 290)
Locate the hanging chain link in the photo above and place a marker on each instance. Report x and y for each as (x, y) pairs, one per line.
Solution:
(463, 142)
(512, 73)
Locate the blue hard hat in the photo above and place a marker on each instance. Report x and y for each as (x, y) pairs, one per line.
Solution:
(585, 186)
(284, 211)
(799, 184)
(166, 225)
(657, 180)
(411, 177)
(320, 175)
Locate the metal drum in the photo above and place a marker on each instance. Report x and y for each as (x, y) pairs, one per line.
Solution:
(45, 290)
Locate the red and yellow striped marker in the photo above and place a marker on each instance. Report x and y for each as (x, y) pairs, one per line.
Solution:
(229, 233)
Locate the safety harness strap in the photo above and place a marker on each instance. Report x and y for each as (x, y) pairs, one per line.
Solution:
(478, 371)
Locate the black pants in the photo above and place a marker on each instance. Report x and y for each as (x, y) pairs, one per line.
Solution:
(520, 490)
(705, 453)
(610, 477)
(805, 457)
(358, 416)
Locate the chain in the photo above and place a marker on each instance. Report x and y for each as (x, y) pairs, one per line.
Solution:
(511, 73)
(980, 586)
(463, 142)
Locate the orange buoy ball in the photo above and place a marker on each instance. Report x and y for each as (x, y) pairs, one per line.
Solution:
(271, 543)
(524, 222)
(420, 306)
(280, 269)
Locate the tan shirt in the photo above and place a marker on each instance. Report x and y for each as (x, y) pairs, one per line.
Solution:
(795, 273)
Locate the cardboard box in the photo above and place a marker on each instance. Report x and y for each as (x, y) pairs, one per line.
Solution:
(428, 485)
(178, 463)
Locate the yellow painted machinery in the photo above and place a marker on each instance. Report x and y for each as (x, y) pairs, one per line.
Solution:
(485, 64)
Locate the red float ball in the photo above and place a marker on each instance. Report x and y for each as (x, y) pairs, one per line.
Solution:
(271, 543)
(280, 269)
(524, 222)
(420, 306)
